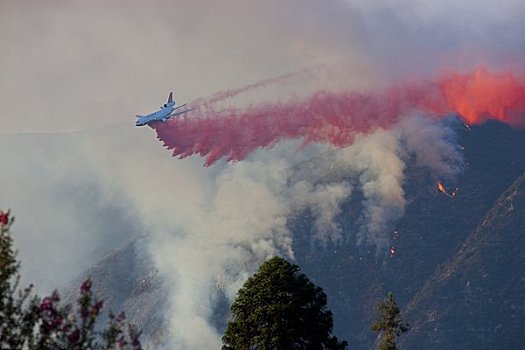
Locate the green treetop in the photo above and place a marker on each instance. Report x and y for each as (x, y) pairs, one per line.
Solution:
(279, 308)
(389, 324)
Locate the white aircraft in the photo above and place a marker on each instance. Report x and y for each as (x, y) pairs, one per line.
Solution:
(164, 113)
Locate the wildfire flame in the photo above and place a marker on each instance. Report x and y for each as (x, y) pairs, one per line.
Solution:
(392, 251)
(483, 95)
(442, 189)
(396, 234)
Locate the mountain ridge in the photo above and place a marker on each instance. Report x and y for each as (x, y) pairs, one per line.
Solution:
(474, 261)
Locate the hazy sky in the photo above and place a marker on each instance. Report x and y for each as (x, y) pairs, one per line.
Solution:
(69, 65)
(84, 64)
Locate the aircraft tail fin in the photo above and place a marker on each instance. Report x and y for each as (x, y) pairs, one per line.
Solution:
(170, 98)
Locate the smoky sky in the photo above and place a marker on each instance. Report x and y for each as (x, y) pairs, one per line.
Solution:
(84, 64)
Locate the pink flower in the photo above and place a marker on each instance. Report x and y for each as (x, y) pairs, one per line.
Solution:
(86, 286)
(4, 218)
(46, 304)
(122, 343)
(95, 310)
(74, 336)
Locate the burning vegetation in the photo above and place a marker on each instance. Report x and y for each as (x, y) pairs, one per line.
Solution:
(443, 190)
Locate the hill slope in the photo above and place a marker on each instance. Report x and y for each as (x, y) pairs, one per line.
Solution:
(432, 230)
(475, 301)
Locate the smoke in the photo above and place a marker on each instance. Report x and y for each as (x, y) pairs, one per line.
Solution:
(64, 219)
(243, 218)
(324, 201)
(335, 117)
(241, 223)
(433, 144)
(376, 160)
(379, 160)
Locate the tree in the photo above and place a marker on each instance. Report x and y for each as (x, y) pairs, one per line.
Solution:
(279, 308)
(389, 323)
(29, 322)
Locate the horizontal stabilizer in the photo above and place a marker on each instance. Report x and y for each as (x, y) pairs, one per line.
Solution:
(181, 112)
(180, 106)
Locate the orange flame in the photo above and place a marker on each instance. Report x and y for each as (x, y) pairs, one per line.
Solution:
(441, 188)
(481, 95)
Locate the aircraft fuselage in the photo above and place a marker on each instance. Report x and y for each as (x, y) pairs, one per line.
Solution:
(165, 112)
(161, 115)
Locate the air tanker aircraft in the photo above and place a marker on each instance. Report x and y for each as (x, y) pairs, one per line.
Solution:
(164, 113)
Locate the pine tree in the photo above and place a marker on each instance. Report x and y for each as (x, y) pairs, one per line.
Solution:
(389, 324)
(279, 308)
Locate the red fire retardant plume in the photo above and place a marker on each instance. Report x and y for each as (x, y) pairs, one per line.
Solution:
(335, 118)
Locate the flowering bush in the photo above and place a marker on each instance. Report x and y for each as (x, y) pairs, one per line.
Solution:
(4, 218)
(29, 322)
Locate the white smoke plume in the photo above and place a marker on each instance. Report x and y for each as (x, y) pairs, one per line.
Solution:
(324, 201)
(243, 218)
(243, 223)
(433, 144)
(379, 160)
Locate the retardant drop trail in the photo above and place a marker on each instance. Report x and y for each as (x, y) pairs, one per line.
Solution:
(335, 118)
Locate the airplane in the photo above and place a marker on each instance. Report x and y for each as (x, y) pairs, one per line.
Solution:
(165, 112)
